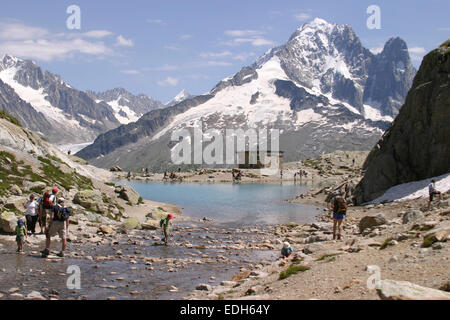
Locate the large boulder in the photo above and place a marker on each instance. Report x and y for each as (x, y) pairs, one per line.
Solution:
(130, 224)
(90, 199)
(116, 169)
(36, 186)
(15, 203)
(372, 221)
(8, 222)
(129, 194)
(416, 146)
(403, 290)
(439, 234)
(412, 215)
(15, 190)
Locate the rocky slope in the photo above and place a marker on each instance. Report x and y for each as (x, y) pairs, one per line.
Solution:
(408, 244)
(322, 89)
(30, 165)
(127, 107)
(417, 145)
(46, 104)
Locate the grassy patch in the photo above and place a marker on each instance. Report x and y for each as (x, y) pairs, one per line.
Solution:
(5, 115)
(385, 243)
(428, 240)
(67, 180)
(293, 269)
(326, 256)
(140, 200)
(111, 184)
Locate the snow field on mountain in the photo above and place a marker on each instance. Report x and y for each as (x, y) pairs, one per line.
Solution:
(414, 190)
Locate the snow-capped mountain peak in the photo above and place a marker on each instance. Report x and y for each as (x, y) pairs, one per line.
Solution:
(180, 97)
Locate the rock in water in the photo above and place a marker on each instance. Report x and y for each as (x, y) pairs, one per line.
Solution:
(372, 221)
(403, 290)
(203, 287)
(130, 224)
(34, 295)
(424, 151)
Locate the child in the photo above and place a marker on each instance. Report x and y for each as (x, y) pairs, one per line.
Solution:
(21, 233)
(286, 251)
(165, 224)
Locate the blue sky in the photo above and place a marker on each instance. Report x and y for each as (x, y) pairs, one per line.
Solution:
(161, 47)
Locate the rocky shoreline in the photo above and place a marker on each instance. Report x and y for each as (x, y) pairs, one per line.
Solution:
(403, 240)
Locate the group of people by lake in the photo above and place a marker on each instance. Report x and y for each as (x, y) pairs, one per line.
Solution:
(53, 218)
(339, 211)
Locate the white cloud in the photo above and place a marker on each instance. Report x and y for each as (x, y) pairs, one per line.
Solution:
(256, 42)
(157, 21)
(212, 63)
(376, 50)
(222, 54)
(20, 31)
(96, 34)
(166, 67)
(131, 72)
(302, 16)
(47, 50)
(171, 47)
(29, 42)
(122, 42)
(243, 33)
(186, 37)
(244, 56)
(418, 50)
(169, 81)
(253, 37)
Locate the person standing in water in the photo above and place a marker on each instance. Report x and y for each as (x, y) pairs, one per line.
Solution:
(165, 225)
(21, 235)
(58, 225)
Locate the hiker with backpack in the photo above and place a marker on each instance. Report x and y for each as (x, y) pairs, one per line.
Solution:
(339, 207)
(165, 225)
(432, 191)
(58, 224)
(48, 202)
(31, 214)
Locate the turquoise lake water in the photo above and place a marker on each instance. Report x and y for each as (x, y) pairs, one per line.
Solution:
(232, 203)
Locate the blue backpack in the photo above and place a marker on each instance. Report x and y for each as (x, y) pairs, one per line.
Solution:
(61, 214)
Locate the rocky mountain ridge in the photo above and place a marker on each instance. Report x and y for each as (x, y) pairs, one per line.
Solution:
(417, 145)
(315, 89)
